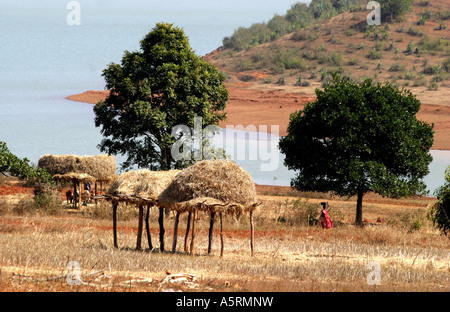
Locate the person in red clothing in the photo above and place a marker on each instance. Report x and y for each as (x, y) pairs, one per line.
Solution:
(325, 219)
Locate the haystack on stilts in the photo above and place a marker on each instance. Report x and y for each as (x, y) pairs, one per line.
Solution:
(140, 188)
(213, 186)
(80, 169)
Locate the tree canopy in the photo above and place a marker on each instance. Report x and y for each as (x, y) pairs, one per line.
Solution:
(12, 165)
(163, 85)
(355, 138)
(394, 8)
(439, 213)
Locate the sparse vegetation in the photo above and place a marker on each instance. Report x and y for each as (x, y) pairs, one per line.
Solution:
(314, 42)
(290, 247)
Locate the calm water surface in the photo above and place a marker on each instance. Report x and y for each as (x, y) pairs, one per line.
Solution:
(43, 60)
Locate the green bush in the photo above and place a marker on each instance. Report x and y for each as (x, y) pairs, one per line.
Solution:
(432, 69)
(305, 213)
(336, 58)
(353, 61)
(374, 54)
(21, 168)
(397, 67)
(410, 48)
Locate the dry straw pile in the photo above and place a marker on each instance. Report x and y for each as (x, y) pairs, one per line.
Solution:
(144, 184)
(82, 168)
(211, 185)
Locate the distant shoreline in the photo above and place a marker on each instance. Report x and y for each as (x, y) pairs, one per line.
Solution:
(249, 105)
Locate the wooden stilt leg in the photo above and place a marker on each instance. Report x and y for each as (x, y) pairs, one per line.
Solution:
(221, 235)
(175, 232)
(188, 227)
(96, 193)
(251, 232)
(147, 227)
(161, 229)
(211, 229)
(194, 220)
(115, 224)
(139, 234)
(74, 199)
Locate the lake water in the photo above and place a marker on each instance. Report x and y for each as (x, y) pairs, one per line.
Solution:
(43, 60)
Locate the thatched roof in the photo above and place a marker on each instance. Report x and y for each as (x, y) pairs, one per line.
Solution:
(141, 184)
(212, 185)
(81, 168)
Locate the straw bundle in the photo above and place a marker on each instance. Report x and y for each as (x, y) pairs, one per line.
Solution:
(211, 185)
(83, 168)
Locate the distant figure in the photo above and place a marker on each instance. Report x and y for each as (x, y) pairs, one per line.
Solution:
(325, 219)
(69, 196)
(87, 186)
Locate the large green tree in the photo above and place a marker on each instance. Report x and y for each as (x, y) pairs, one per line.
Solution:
(355, 138)
(153, 90)
(439, 213)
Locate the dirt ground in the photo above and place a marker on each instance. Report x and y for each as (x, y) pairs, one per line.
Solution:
(36, 248)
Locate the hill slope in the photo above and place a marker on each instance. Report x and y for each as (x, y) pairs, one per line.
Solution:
(413, 53)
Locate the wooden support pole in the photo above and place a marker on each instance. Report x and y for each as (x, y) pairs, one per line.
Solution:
(161, 229)
(74, 197)
(139, 234)
(115, 224)
(251, 231)
(194, 220)
(96, 193)
(79, 195)
(211, 229)
(221, 235)
(175, 232)
(188, 227)
(147, 227)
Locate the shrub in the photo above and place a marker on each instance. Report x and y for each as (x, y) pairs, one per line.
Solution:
(336, 58)
(48, 201)
(353, 61)
(430, 45)
(413, 32)
(305, 213)
(410, 76)
(410, 48)
(374, 54)
(244, 65)
(397, 67)
(349, 32)
(432, 70)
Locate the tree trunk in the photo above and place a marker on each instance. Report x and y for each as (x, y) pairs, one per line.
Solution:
(358, 219)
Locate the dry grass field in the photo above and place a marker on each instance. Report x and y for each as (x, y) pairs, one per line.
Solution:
(37, 246)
